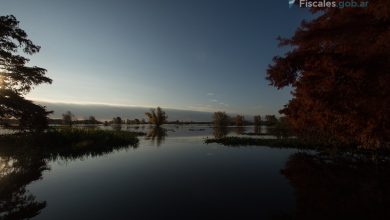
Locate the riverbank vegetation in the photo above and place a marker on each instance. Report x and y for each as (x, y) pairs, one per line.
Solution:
(339, 76)
(71, 137)
(295, 143)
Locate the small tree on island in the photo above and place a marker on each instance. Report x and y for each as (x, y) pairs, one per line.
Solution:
(220, 119)
(17, 79)
(117, 120)
(257, 120)
(92, 120)
(157, 116)
(68, 118)
(257, 124)
(239, 120)
(271, 119)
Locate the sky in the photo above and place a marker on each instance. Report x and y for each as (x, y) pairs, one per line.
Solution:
(203, 55)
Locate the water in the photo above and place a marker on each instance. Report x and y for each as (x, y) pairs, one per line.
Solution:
(177, 176)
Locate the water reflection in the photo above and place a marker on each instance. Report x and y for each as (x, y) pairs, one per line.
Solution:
(239, 130)
(21, 165)
(220, 131)
(116, 127)
(257, 130)
(339, 186)
(156, 135)
(16, 172)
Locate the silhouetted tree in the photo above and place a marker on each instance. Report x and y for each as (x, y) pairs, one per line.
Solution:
(135, 121)
(271, 119)
(17, 79)
(67, 118)
(239, 120)
(281, 128)
(117, 120)
(92, 120)
(339, 69)
(220, 119)
(157, 117)
(257, 120)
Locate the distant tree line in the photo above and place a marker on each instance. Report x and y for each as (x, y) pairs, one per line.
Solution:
(221, 119)
(278, 127)
(158, 117)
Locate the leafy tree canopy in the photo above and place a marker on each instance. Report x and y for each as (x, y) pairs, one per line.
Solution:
(338, 66)
(157, 116)
(17, 79)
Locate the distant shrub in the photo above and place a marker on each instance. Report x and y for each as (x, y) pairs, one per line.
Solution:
(220, 119)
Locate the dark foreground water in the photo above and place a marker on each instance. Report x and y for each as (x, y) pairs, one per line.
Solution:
(177, 176)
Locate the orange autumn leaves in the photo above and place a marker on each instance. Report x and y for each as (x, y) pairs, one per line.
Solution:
(339, 69)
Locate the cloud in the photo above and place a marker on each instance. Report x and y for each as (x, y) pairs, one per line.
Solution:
(210, 94)
(213, 100)
(200, 107)
(221, 103)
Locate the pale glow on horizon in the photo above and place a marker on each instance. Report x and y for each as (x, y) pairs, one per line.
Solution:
(189, 108)
(84, 103)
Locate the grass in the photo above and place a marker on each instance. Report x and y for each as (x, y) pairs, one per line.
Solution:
(67, 143)
(294, 143)
(72, 137)
(247, 141)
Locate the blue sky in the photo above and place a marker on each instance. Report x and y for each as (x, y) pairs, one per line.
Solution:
(203, 55)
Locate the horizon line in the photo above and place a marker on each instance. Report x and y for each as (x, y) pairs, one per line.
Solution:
(109, 104)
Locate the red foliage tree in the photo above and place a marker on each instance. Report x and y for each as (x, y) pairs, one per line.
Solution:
(339, 69)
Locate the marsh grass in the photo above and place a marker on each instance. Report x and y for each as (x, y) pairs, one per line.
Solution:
(296, 143)
(248, 141)
(72, 137)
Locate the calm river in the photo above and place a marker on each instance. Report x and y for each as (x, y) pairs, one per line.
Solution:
(174, 175)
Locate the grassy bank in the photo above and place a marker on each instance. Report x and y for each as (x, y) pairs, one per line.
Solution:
(71, 137)
(248, 141)
(66, 143)
(294, 143)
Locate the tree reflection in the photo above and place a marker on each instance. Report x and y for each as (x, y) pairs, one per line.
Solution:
(257, 129)
(220, 131)
(339, 187)
(20, 165)
(239, 130)
(156, 135)
(16, 202)
(116, 127)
